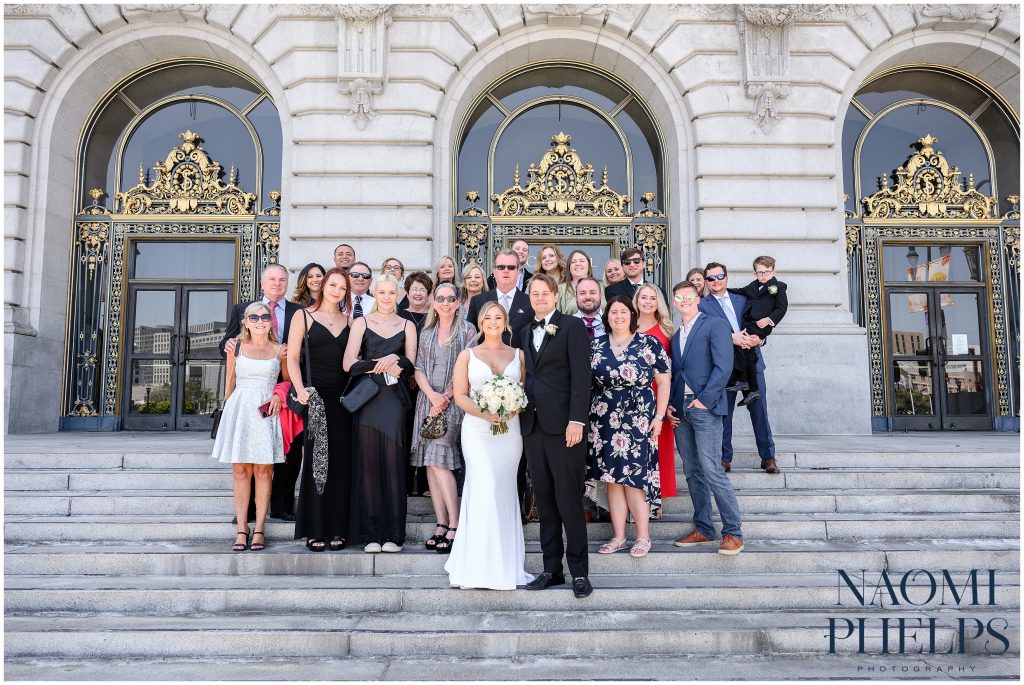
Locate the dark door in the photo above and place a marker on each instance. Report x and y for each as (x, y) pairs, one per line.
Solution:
(938, 350)
(175, 376)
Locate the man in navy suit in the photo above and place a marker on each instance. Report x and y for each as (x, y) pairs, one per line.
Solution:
(701, 364)
(505, 293)
(729, 307)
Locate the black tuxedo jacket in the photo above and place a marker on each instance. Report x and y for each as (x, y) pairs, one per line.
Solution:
(626, 289)
(558, 377)
(520, 314)
(235, 321)
(526, 279)
(762, 303)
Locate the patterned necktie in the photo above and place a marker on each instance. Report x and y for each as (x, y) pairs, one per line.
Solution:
(273, 319)
(358, 311)
(730, 313)
(589, 320)
(506, 302)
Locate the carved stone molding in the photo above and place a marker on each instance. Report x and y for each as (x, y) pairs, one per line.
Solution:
(162, 12)
(441, 9)
(363, 57)
(566, 14)
(764, 37)
(959, 17)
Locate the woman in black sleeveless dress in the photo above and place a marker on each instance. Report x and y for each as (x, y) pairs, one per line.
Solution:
(382, 345)
(322, 513)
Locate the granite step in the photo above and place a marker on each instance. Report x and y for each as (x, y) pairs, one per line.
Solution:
(174, 595)
(218, 529)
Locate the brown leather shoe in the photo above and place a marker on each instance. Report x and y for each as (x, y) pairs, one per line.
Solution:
(694, 538)
(731, 546)
(769, 466)
(726, 466)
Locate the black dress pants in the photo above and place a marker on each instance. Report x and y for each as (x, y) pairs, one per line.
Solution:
(282, 495)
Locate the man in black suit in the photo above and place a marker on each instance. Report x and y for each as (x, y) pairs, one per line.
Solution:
(274, 284)
(505, 293)
(633, 264)
(522, 250)
(558, 382)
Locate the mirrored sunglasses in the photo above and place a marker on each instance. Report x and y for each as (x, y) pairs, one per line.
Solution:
(259, 317)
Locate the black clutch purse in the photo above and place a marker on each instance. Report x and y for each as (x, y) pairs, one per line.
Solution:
(434, 427)
(216, 422)
(366, 389)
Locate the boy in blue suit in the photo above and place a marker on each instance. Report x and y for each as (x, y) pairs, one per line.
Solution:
(702, 362)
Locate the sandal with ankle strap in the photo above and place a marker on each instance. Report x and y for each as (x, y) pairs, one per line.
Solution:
(243, 545)
(258, 546)
(612, 546)
(315, 545)
(337, 543)
(432, 541)
(446, 542)
(640, 548)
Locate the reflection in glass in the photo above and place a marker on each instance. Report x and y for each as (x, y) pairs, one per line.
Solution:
(906, 85)
(206, 321)
(599, 254)
(98, 168)
(1004, 138)
(525, 140)
(150, 387)
(224, 138)
(192, 79)
(204, 382)
(908, 316)
(154, 321)
(913, 388)
(965, 388)
(643, 143)
(960, 325)
(265, 119)
(933, 263)
(852, 127)
(476, 146)
(891, 141)
(538, 83)
(184, 260)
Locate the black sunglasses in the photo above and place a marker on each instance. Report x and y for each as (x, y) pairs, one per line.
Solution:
(259, 317)
(635, 260)
(716, 277)
(505, 267)
(362, 276)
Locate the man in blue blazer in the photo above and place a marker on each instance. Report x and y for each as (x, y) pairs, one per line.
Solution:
(729, 307)
(702, 361)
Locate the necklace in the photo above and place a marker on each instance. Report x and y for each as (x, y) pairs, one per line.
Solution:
(619, 348)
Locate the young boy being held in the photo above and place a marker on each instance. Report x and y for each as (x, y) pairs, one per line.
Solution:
(766, 305)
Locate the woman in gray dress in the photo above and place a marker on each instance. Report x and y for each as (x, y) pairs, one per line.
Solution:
(445, 334)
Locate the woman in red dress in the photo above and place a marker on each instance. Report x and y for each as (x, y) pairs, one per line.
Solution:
(655, 320)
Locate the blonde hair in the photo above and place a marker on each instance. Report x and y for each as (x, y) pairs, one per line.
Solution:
(466, 272)
(254, 307)
(384, 278)
(432, 316)
(455, 270)
(483, 312)
(661, 314)
(558, 255)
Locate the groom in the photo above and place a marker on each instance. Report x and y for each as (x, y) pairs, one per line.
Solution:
(558, 387)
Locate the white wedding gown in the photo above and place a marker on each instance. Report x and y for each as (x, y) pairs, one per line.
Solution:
(489, 551)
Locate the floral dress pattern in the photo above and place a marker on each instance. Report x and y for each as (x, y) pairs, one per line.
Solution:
(622, 407)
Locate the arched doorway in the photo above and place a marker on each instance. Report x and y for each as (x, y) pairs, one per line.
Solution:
(190, 153)
(933, 246)
(558, 152)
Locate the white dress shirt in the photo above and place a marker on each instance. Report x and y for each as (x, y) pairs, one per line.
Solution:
(598, 323)
(505, 299)
(684, 332)
(539, 332)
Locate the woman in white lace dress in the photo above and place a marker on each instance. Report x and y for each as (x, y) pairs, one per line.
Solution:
(246, 439)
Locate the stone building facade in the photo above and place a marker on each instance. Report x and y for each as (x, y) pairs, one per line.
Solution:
(736, 130)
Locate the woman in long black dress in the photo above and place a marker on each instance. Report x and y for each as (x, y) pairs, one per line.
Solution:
(381, 346)
(325, 485)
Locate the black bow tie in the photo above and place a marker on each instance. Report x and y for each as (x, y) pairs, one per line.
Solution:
(537, 323)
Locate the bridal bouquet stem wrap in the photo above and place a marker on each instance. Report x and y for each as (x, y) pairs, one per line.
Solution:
(503, 396)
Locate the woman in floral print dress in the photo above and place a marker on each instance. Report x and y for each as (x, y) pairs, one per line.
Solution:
(626, 419)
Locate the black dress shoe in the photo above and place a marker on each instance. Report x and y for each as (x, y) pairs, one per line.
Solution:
(749, 398)
(581, 587)
(738, 387)
(545, 580)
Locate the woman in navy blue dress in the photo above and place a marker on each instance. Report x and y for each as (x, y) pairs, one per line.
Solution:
(626, 419)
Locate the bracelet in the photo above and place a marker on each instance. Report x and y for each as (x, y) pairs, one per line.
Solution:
(659, 418)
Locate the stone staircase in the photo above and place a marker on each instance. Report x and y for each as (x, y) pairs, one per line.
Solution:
(118, 566)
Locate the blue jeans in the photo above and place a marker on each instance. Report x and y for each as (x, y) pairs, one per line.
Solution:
(699, 441)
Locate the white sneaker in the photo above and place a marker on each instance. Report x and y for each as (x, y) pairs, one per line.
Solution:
(391, 547)
(372, 548)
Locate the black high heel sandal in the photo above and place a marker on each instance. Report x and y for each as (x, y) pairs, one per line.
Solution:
(431, 542)
(337, 543)
(258, 546)
(244, 544)
(447, 542)
(315, 545)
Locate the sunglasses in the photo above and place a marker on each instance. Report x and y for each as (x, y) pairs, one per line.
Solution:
(365, 277)
(684, 298)
(716, 277)
(259, 317)
(505, 267)
(446, 298)
(635, 260)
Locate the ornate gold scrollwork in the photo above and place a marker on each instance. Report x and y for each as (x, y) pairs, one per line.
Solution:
(852, 239)
(560, 185)
(270, 242)
(928, 187)
(473, 196)
(650, 238)
(1014, 211)
(187, 182)
(649, 212)
(95, 208)
(472, 237)
(1011, 244)
(93, 237)
(275, 209)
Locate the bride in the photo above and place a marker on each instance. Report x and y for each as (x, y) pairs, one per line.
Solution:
(488, 551)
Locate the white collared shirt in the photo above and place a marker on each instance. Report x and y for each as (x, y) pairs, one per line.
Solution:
(684, 332)
(539, 332)
(598, 324)
(506, 303)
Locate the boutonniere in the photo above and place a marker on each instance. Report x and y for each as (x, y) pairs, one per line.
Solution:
(772, 289)
(551, 329)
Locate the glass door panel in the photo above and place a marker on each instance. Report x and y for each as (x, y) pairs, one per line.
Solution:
(151, 366)
(204, 323)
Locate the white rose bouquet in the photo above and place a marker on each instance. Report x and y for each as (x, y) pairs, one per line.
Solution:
(503, 396)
